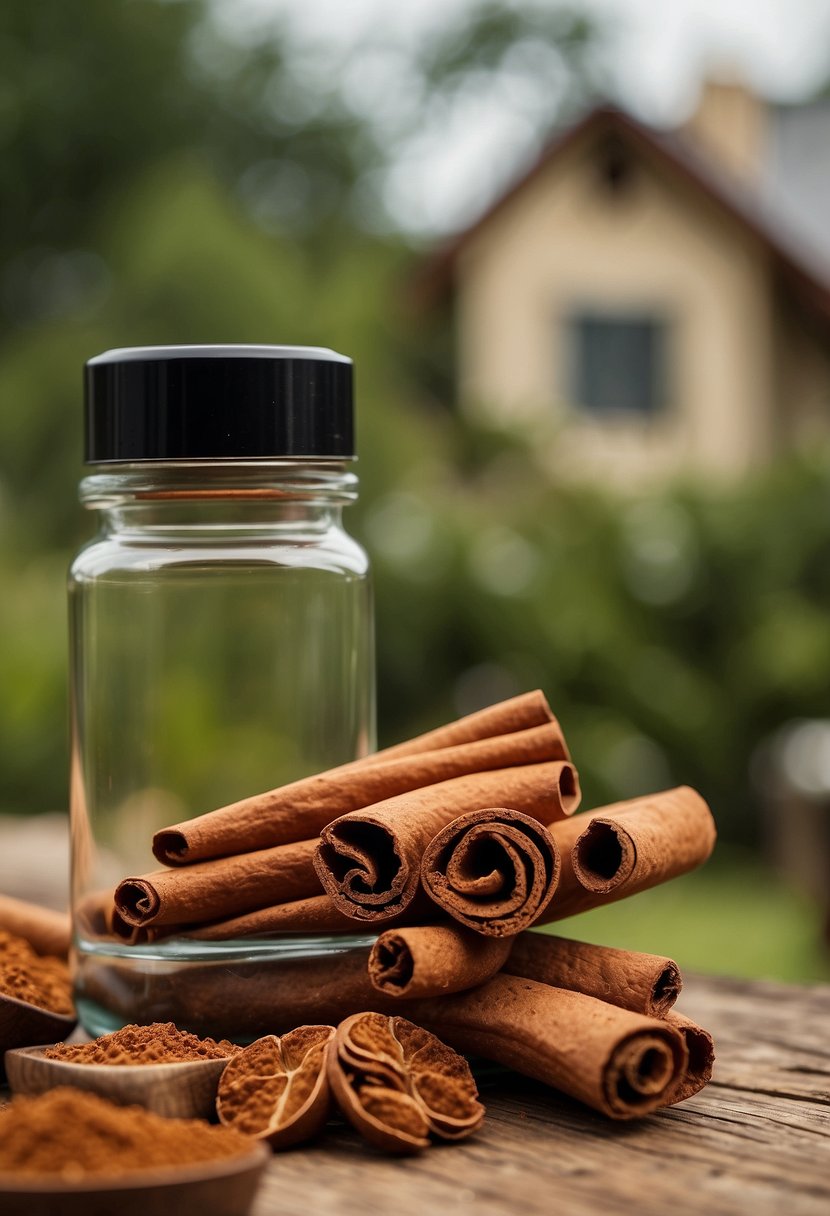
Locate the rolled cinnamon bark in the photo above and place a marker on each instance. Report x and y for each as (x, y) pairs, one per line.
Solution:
(317, 914)
(46, 931)
(369, 862)
(493, 870)
(434, 960)
(298, 811)
(627, 847)
(645, 841)
(701, 1050)
(216, 890)
(504, 718)
(97, 917)
(620, 1063)
(132, 935)
(644, 983)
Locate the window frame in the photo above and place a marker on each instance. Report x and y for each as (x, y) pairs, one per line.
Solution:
(658, 399)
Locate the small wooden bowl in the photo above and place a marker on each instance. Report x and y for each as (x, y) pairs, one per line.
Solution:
(24, 1024)
(214, 1188)
(184, 1090)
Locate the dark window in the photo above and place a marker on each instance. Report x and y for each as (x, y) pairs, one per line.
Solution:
(617, 362)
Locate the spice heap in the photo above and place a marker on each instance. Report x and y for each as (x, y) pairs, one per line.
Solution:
(459, 841)
(159, 1043)
(72, 1135)
(27, 976)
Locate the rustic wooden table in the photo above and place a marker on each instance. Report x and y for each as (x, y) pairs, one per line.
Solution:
(756, 1141)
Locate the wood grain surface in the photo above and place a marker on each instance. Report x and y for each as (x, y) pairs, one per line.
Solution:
(755, 1142)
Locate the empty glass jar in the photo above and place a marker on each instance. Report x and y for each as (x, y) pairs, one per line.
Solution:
(221, 641)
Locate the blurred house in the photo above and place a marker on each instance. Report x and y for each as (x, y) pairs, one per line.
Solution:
(653, 301)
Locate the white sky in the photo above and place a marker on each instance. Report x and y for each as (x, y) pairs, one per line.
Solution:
(662, 44)
(658, 52)
(780, 46)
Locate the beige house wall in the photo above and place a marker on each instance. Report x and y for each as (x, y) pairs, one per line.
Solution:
(562, 243)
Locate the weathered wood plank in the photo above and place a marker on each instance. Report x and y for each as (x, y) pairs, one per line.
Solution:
(771, 1038)
(757, 1140)
(716, 1155)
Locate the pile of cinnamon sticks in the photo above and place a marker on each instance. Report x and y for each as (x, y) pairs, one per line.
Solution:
(451, 846)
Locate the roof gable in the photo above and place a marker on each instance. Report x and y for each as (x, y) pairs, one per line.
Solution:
(436, 275)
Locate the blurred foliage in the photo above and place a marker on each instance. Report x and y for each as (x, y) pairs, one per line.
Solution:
(91, 98)
(672, 632)
(534, 41)
(163, 183)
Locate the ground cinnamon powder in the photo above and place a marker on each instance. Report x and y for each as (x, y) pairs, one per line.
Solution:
(159, 1043)
(70, 1135)
(27, 976)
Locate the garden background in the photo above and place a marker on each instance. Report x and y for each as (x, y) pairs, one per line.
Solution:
(169, 176)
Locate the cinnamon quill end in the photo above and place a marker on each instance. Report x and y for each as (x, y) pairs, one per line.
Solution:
(434, 960)
(170, 847)
(136, 902)
(644, 983)
(494, 870)
(701, 1048)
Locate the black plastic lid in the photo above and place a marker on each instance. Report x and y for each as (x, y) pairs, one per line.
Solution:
(218, 402)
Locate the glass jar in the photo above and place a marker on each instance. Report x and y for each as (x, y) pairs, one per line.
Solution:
(221, 641)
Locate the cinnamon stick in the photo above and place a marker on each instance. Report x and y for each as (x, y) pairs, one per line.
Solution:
(620, 1063)
(314, 915)
(97, 917)
(434, 960)
(701, 1051)
(504, 718)
(369, 861)
(493, 870)
(317, 914)
(298, 811)
(627, 847)
(229, 887)
(644, 983)
(660, 837)
(46, 931)
(215, 890)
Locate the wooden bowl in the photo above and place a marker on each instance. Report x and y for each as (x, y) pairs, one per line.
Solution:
(22, 1023)
(215, 1188)
(184, 1090)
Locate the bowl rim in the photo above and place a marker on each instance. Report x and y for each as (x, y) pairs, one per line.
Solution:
(35, 1052)
(256, 1157)
(69, 1018)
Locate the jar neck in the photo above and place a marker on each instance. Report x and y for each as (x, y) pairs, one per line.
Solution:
(219, 495)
